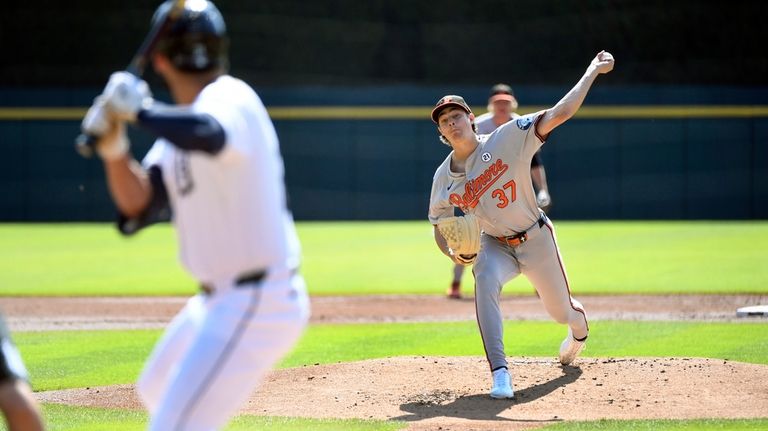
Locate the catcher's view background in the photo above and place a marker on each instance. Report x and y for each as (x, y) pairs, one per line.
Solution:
(674, 133)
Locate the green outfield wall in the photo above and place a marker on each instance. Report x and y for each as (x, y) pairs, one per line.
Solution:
(369, 153)
(677, 131)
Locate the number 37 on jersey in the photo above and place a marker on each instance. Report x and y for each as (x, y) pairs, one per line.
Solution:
(475, 188)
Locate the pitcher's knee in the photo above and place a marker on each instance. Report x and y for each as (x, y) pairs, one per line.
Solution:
(486, 285)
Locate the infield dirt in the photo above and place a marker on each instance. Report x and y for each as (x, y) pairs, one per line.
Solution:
(451, 393)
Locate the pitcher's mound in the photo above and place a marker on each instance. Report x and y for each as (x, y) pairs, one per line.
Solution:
(452, 392)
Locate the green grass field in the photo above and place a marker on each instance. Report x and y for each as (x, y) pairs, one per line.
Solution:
(90, 419)
(393, 257)
(367, 258)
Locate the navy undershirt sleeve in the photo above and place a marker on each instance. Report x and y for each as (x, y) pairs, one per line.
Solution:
(156, 211)
(183, 128)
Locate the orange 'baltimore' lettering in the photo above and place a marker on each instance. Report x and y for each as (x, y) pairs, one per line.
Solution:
(476, 187)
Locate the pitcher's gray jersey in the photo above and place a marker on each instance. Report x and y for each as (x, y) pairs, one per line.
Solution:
(497, 185)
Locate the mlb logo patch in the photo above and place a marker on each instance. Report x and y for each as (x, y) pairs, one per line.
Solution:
(524, 123)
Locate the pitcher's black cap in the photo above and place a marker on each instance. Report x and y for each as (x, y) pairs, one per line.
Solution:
(446, 101)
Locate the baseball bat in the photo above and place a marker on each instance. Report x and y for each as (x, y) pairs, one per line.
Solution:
(85, 143)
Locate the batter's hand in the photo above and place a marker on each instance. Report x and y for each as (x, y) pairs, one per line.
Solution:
(126, 95)
(603, 62)
(96, 120)
(99, 121)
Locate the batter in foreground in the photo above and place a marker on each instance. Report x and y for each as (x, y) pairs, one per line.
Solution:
(488, 177)
(216, 167)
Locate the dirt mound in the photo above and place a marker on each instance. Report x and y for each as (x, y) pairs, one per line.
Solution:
(451, 393)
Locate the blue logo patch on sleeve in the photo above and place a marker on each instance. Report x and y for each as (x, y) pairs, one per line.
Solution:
(524, 123)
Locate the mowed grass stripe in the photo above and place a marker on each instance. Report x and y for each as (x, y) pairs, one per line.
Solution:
(662, 425)
(72, 418)
(359, 258)
(70, 359)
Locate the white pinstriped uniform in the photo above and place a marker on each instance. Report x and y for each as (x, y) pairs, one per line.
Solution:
(230, 216)
(497, 188)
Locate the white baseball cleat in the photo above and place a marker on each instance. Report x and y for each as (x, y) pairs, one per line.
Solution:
(502, 384)
(570, 348)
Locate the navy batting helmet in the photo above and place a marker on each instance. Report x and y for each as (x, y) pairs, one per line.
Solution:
(197, 40)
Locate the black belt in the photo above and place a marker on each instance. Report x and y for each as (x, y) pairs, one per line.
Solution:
(247, 278)
(251, 277)
(519, 238)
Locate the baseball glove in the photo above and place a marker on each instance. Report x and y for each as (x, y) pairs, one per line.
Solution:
(462, 235)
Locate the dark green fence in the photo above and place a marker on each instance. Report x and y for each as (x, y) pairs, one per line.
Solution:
(374, 159)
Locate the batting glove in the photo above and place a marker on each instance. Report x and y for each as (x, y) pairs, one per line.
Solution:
(96, 121)
(99, 121)
(126, 95)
